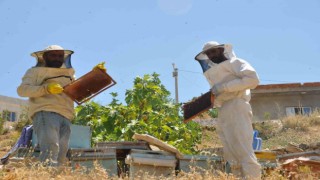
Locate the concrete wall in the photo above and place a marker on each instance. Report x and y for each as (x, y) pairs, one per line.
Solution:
(273, 105)
(13, 105)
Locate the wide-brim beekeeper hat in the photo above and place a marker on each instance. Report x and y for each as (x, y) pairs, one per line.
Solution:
(207, 46)
(39, 54)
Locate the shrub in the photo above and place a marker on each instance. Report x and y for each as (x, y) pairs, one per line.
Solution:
(1, 124)
(22, 121)
(267, 129)
(213, 112)
(297, 122)
(301, 122)
(5, 130)
(266, 116)
(315, 118)
(148, 110)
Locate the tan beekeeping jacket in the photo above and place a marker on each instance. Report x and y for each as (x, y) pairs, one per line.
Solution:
(34, 85)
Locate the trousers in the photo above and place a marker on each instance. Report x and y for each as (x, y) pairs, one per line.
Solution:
(235, 130)
(53, 133)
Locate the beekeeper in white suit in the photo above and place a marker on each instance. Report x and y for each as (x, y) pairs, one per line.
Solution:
(231, 79)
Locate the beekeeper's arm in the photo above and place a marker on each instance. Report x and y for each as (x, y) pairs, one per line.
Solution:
(248, 78)
(29, 87)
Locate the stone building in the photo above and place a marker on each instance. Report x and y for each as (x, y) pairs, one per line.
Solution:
(273, 101)
(11, 108)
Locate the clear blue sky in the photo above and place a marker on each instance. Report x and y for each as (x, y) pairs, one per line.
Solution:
(279, 38)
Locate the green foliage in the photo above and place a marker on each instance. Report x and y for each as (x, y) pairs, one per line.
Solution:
(213, 112)
(5, 115)
(266, 116)
(148, 110)
(267, 129)
(23, 120)
(1, 124)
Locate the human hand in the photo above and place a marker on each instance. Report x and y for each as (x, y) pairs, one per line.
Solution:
(54, 88)
(100, 66)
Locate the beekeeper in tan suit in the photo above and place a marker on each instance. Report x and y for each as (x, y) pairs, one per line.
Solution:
(231, 79)
(50, 109)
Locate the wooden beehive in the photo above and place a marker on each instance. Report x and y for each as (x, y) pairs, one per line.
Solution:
(123, 148)
(197, 106)
(87, 157)
(146, 162)
(88, 86)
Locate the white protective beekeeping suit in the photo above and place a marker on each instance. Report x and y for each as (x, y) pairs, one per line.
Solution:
(233, 78)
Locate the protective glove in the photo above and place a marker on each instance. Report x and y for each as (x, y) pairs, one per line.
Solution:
(54, 88)
(100, 66)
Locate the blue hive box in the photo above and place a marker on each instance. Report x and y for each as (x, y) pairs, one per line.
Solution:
(80, 137)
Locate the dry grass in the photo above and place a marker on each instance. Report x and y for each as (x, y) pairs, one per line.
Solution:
(210, 139)
(26, 171)
(296, 129)
(268, 129)
(23, 171)
(282, 138)
(7, 141)
(302, 123)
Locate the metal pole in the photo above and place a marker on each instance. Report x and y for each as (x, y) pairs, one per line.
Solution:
(175, 75)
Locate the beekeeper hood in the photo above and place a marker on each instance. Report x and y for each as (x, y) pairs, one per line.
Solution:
(204, 60)
(41, 62)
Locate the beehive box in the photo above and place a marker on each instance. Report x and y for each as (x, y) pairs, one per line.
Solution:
(155, 163)
(27, 152)
(80, 137)
(123, 148)
(106, 157)
(266, 156)
(199, 163)
(197, 106)
(21, 153)
(267, 159)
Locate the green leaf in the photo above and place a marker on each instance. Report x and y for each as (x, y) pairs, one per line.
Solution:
(148, 110)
